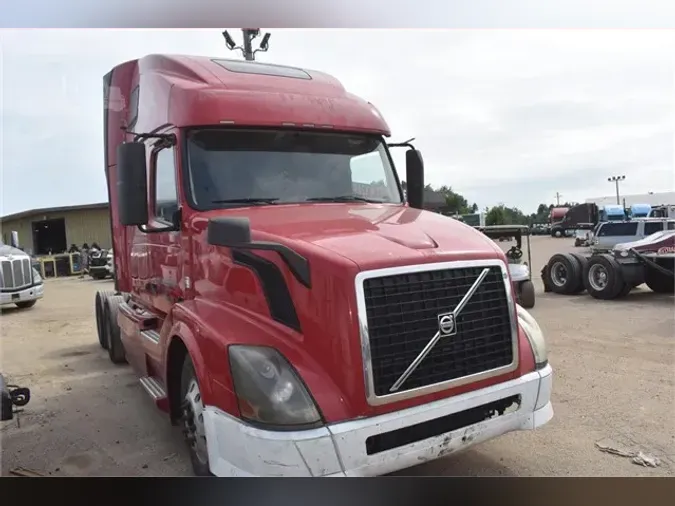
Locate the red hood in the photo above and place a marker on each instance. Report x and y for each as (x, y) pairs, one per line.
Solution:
(338, 240)
(371, 236)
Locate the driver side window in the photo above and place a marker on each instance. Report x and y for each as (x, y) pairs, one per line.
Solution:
(166, 191)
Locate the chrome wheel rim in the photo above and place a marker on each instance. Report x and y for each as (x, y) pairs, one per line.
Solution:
(597, 277)
(559, 274)
(193, 421)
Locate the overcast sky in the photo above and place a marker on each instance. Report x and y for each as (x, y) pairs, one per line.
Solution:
(501, 116)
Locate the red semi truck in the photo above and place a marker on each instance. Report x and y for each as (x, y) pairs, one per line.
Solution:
(556, 215)
(292, 323)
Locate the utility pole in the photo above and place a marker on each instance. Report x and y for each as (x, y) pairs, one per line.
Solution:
(249, 35)
(557, 199)
(615, 180)
(247, 49)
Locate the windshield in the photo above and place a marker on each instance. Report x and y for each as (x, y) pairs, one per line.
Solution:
(244, 167)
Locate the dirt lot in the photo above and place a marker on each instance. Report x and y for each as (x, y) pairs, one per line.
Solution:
(613, 383)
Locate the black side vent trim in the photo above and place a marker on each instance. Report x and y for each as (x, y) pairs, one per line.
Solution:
(276, 291)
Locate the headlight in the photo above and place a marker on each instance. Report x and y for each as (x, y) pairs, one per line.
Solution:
(37, 279)
(268, 389)
(534, 335)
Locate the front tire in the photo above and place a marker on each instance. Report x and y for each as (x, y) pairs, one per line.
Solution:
(526, 295)
(192, 408)
(25, 304)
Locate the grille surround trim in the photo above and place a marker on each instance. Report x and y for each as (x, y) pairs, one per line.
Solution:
(377, 400)
(15, 268)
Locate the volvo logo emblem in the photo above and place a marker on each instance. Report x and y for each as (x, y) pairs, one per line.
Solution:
(446, 324)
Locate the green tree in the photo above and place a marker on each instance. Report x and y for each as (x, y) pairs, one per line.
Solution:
(495, 216)
(503, 215)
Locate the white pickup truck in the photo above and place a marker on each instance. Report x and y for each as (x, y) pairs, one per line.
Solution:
(20, 282)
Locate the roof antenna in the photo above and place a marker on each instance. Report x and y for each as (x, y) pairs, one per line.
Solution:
(247, 48)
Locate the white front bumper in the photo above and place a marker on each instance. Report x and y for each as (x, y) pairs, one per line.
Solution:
(237, 449)
(31, 293)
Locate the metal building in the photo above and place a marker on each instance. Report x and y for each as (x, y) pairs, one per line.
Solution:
(652, 198)
(52, 230)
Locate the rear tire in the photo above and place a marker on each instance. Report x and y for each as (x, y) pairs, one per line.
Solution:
(659, 283)
(563, 274)
(526, 294)
(99, 300)
(25, 304)
(99, 275)
(627, 287)
(112, 330)
(192, 409)
(603, 277)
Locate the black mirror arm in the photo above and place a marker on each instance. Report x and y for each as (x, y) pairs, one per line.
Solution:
(298, 265)
(405, 144)
(146, 230)
(174, 227)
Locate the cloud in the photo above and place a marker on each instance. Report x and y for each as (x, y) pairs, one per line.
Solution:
(502, 116)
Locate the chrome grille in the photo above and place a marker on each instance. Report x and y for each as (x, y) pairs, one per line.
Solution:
(399, 313)
(15, 273)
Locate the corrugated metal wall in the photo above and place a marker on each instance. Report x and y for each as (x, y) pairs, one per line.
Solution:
(82, 226)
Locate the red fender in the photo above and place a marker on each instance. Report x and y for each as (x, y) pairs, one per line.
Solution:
(208, 327)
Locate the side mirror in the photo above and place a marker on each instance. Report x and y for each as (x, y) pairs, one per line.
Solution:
(414, 167)
(132, 184)
(229, 232)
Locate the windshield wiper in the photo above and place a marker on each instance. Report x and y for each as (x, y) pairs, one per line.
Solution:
(344, 198)
(254, 201)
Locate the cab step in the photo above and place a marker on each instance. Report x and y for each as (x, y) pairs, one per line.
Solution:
(155, 390)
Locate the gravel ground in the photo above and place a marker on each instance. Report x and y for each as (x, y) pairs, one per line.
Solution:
(613, 385)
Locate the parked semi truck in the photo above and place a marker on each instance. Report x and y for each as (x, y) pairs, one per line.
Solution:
(290, 325)
(588, 215)
(555, 216)
(20, 282)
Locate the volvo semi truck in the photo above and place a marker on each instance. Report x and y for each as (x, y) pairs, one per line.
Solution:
(290, 322)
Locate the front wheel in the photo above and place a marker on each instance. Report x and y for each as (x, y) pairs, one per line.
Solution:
(194, 431)
(25, 304)
(527, 294)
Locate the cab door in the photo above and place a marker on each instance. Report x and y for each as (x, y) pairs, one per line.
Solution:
(164, 248)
